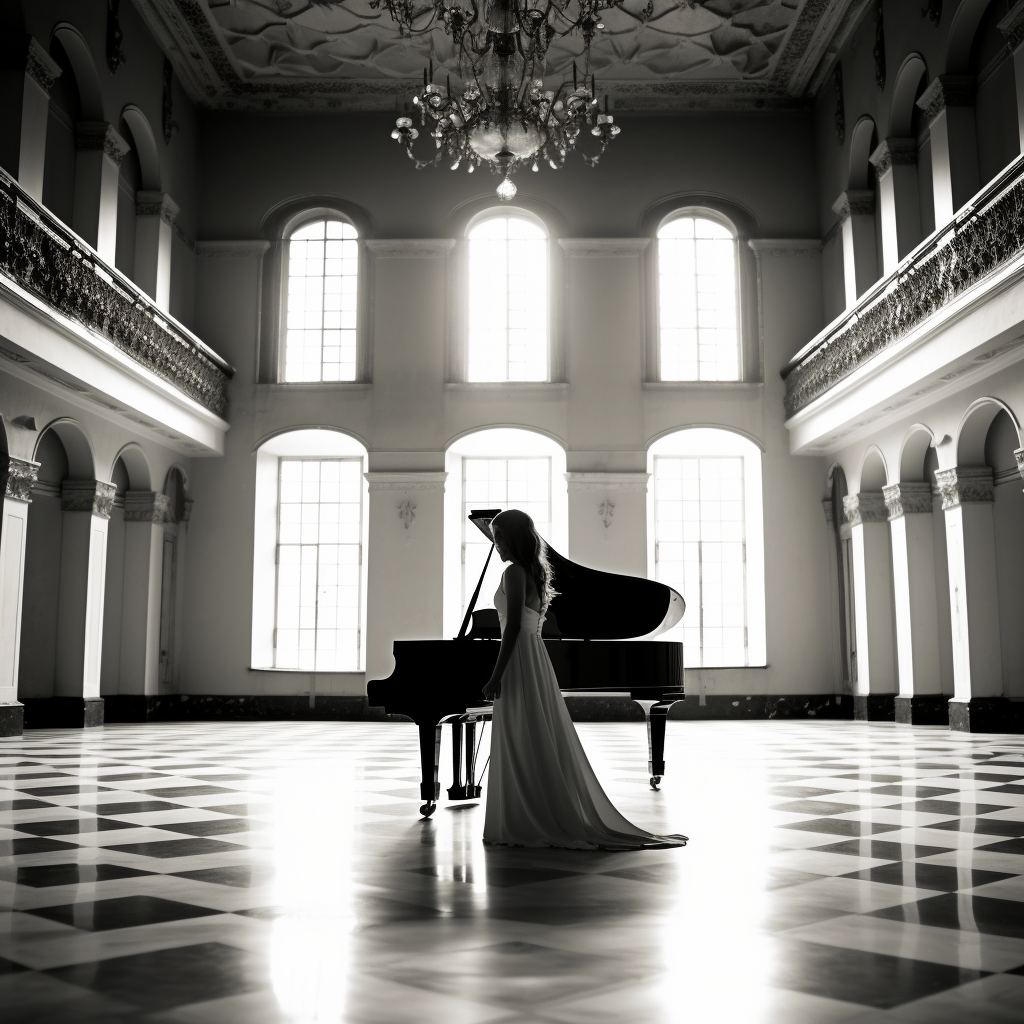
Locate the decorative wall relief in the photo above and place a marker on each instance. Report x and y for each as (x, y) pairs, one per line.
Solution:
(407, 512)
(606, 510)
(955, 260)
(40, 255)
(840, 108)
(879, 50)
(115, 37)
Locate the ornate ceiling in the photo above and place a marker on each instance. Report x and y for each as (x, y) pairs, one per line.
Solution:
(691, 54)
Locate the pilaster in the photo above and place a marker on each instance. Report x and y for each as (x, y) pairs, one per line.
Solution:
(100, 152)
(873, 603)
(909, 506)
(856, 211)
(18, 477)
(948, 105)
(154, 221)
(895, 163)
(967, 496)
(608, 521)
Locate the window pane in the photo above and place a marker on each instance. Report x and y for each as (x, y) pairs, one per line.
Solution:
(319, 555)
(698, 332)
(700, 550)
(508, 301)
(523, 483)
(320, 343)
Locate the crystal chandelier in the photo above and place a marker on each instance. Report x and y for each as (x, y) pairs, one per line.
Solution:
(502, 117)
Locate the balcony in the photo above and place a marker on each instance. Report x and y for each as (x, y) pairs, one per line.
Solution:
(67, 316)
(949, 315)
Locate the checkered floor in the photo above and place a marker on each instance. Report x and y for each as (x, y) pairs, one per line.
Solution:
(279, 872)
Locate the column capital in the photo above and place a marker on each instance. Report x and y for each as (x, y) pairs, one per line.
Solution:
(853, 202)
(636, 482)
(947, 91)
(39, 65)
(908, 498)
(93, 496)
(894, 150)
(405, 481)
(866, 507)
(1012, 26)
(156, 204)
(146, 507)
(19, 475)
(965, 485)
(1019, 456)
(92, 135)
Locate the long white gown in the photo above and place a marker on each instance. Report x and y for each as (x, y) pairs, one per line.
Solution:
(542, 790)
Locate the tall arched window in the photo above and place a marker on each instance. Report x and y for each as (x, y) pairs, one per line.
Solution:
(323, 272)
(508, 300)
(698, 334)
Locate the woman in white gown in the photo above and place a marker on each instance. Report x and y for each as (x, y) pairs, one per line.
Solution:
(542, 790)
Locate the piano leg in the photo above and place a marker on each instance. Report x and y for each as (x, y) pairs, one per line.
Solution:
(430, 755)
(473, 790)
(463, 758)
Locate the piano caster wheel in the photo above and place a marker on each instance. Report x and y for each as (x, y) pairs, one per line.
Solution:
(428, 808)
(655, 779)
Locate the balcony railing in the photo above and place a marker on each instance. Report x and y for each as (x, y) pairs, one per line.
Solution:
(50, 261)
(984, 235)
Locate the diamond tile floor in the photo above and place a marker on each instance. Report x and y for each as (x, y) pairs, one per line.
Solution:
(269, 873)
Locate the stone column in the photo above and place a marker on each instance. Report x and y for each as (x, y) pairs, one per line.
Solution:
(920, 700)
(139, 657)
(856, 210)
(18, 477)
(967, 496)
(1012, 28)
(608, 521)
(948, 105)
(27, 73)
(100, 152)
(154, 220)
(875, 692)
(405, 555)
(86, 505)
(895, 163)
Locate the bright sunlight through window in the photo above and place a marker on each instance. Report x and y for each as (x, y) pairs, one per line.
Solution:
(319, 552)
(508, 301)
(323, 271)
(698, 335)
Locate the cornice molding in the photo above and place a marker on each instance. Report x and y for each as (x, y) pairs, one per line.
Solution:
(947, 91)
(893, 151)
(95, 135)
(19, 477)
(965, 485)
(156, 204)
(604, 247)
(408, 481)
(854, 202)
(93, 496)
(1012, 26)
(409, 248)
(908, 498)
(866, 507)
(630, 482)
(818, 45)
(242, 248)
(801, 248)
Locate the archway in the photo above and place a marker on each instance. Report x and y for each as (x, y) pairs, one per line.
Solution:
(862, 142)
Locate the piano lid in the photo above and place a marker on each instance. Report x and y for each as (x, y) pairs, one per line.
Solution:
(596, 605)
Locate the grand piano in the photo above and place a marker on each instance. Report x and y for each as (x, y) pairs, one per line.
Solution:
(597, 633)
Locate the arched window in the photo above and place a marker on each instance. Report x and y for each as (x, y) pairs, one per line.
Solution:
(508, 300)
(698, 321)
(322, 272)
(709, 543)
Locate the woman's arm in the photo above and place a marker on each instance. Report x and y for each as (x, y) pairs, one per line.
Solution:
(515, 595)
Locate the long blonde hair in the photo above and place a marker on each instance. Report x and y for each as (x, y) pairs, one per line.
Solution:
(527, 548)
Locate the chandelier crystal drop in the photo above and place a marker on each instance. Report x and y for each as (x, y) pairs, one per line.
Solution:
(502, 117)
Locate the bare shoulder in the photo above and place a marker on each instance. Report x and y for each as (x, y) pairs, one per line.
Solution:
(515, 573)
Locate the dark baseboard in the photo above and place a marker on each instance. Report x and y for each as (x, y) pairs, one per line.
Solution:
(63, 712)
(986, 714)
(874, 707)
(224, 708)
(12, 719)
(924, 709)
(719, 707)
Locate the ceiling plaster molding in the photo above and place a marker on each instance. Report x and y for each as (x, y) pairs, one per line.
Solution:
(815, 28)
(857, 10)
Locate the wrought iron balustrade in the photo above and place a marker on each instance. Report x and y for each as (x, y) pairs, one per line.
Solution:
(982, 237)
(47, 259)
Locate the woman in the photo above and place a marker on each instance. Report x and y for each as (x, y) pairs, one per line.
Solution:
(542, 790)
